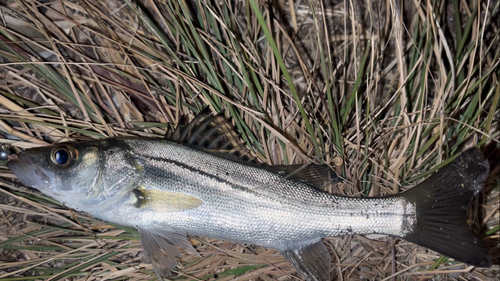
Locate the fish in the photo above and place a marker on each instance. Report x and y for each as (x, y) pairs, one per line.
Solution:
(193, 183)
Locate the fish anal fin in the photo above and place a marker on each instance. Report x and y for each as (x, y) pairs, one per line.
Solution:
(160, 249)
(441, 205)
(318, 176)
(311, 261)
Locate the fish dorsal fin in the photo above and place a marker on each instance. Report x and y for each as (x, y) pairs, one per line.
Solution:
(312, 261)
(318, 176)
(212, 133)
(215, 134)
(160, 248)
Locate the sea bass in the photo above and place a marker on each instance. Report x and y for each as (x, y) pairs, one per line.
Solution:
(169, 189)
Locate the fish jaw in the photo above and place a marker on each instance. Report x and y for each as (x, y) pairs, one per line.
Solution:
(32, 168)
(27, 170)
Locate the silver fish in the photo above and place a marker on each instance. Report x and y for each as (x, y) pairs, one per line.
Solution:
(168, 190)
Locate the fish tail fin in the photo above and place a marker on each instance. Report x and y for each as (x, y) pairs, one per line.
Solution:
(441, 204)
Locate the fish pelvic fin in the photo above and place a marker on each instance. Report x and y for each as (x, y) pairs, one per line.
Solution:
(160, 249)
(311, 261)
(441, 205)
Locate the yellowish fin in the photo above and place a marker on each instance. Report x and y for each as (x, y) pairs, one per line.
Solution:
(165, 201)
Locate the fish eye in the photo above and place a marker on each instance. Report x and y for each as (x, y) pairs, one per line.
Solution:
(62, 156)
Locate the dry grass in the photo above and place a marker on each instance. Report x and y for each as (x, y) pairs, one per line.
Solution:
(386, 93)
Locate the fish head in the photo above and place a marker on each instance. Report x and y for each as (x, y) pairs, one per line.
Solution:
(87, 176)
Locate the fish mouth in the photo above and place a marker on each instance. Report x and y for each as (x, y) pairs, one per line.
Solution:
(27, 171)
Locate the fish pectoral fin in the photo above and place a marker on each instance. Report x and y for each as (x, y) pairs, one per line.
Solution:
(164, 201)
(160, 249)
(312, 261)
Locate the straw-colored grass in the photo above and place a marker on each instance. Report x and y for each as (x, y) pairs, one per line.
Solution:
(386, 92)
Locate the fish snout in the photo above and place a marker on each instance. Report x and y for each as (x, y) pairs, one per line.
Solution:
(27, 171)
